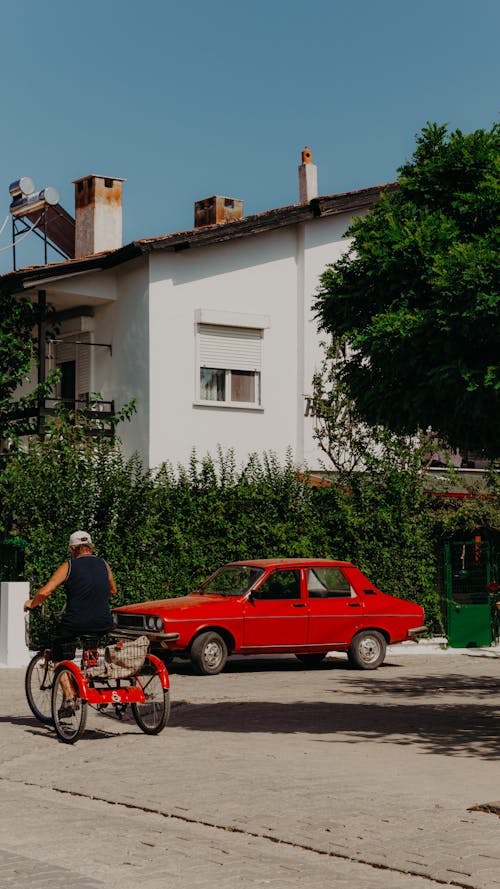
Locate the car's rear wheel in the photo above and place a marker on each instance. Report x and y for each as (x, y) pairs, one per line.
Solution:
(209, 653)
(310, 660)
(367, 650)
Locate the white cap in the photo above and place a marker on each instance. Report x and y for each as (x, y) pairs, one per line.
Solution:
(80, 537)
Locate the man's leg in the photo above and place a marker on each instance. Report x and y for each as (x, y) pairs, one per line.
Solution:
(64, 649)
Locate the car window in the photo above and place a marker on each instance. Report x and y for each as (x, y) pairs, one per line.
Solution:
(280, 585)
(327, 583)
(235, 580)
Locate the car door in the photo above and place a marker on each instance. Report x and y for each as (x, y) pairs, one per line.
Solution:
(335, 609)
(275, 615)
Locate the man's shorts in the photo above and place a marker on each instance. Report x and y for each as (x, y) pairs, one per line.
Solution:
(65, 641)
(63, 645)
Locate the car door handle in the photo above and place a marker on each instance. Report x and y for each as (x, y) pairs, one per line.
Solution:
(299, 604)
(353, 605)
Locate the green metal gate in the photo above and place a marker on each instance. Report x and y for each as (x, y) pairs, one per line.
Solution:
(470, 578)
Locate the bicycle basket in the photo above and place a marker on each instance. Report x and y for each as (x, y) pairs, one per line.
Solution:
(123, 659)
(38, 631)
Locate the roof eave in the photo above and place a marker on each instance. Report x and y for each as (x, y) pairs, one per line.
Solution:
(258, 223)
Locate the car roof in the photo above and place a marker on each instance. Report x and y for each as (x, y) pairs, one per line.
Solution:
(292, 563)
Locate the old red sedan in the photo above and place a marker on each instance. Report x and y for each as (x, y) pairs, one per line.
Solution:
(305, 607)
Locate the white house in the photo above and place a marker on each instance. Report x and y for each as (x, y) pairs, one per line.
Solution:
(211, 329)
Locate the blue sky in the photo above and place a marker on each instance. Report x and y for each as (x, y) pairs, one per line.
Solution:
(189, 100)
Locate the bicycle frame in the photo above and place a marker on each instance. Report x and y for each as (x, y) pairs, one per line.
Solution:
(119, 694)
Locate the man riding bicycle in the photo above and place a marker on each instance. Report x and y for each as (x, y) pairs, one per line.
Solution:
(88, 583)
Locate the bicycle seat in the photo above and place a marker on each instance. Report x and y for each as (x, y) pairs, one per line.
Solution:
(88, 643)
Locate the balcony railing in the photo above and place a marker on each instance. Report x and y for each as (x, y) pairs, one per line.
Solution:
(98, 416)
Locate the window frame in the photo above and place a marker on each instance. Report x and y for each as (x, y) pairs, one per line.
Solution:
(273, 576)
(329, 593)
(232, 321)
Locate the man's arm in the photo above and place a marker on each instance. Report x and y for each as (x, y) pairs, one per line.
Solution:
(112, 584)
(55, 581)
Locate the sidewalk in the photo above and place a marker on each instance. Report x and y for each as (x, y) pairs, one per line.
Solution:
(439, 645)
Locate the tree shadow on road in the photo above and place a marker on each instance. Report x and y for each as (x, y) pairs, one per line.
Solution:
(415, 686)
(465, 729)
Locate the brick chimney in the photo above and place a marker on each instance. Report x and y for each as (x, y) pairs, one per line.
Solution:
(308, 178)
(98, 214)
(209, 211)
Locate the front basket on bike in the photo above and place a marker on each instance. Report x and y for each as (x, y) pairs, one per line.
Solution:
(38, 632)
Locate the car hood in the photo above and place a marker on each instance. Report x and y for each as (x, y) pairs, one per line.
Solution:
(193, 602)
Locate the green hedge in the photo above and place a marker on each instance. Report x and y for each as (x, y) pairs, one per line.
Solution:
(164, 532)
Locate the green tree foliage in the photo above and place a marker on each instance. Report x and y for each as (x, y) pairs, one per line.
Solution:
(379, 479)
(18, 317)
(417, 295)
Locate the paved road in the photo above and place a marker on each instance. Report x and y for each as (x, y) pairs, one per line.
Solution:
(268, 775)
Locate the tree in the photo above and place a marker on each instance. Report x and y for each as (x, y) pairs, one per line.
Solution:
(350, 445)
(417, 295)
(18, 319)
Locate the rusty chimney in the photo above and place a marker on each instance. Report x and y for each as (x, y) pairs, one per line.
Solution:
(209, 211)
(308, 178)
(98, 214)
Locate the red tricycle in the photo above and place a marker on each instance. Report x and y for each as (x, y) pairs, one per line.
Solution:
(61, 694)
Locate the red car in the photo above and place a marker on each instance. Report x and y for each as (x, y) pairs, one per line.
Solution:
(305, 607)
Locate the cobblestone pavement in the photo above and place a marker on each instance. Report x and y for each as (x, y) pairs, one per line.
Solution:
(268, 775)
(18, 870)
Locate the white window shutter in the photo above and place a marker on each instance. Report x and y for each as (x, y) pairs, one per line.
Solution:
(83, 367)
(69, 350)
(65, 351)
(230, 348)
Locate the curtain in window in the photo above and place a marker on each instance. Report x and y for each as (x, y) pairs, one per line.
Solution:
(212, 384)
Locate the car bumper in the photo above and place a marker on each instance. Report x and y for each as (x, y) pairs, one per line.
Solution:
(134, 632)
(416, 631)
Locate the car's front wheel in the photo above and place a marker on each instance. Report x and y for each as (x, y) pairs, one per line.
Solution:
(367, 650)
(209, 654)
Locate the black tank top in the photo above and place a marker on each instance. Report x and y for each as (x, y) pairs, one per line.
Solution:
(87, 595)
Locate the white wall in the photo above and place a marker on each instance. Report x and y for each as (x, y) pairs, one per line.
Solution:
(13, 648)
(324, 243)
(275, 274)
(255, 275)
(124, 374)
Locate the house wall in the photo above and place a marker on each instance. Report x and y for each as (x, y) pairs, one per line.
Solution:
(124, 374)
(324, 243)
(274, 274)
(146, 310)
(255, 275)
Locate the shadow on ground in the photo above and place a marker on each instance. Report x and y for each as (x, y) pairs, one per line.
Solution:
(264, 664)
(415, 686)
(471, 730)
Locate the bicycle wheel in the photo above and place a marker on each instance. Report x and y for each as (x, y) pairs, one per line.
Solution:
(152, 715)
(38, 687)
(69, 717)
